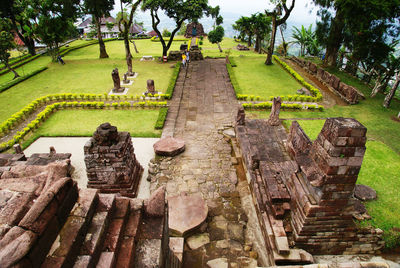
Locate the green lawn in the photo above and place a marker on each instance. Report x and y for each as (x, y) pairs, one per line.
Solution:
(140, 123)
(81, 76)
(256, 78)
(228, 45)
(380, 170)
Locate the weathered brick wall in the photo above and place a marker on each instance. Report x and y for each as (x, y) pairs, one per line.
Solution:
(321, 204)
(113, 168)
(347, 93)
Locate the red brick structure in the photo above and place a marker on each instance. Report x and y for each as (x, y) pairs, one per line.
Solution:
(346, 92)
(321, 190)
(111, 164)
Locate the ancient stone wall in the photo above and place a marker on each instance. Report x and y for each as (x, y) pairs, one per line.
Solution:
(199, 30)
(348, 93)
(111, 164)
(321, 191)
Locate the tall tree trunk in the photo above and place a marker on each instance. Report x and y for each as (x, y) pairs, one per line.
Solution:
(249, 40)
(103, 52)
(335, 39)
(284, 46)
(389, 96)
(30, 44)
(272, 42)
(219, 46)
(257, 48)
(377, 86)
(16, 75)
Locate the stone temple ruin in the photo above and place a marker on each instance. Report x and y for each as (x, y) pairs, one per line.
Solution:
(111, 163)
(303, 189)
(46, 221)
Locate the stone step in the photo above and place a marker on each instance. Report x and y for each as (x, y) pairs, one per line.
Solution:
(94, 239)
(115, 230)
(126, 254)
(66, 247)
(107, 260)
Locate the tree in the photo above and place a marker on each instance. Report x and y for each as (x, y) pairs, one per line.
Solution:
(182, 30)
(55, 22)
(389, 96)
(21, 14)
(363, 26)
(179, 11)
(305, 37)
(215, 36)
(277, 19)
(124, 24)
(6, 43)
(244, 26)
(166, 33)
(99, 9)
(261, 24)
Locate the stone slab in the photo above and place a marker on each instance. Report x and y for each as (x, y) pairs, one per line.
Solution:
(169, 146)
(186, 212)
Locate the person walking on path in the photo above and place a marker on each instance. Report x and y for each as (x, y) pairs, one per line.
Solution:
(187, 56)
(184, 60)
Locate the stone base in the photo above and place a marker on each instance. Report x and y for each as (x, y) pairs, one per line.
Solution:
(147, 58)
(132, 76)
(130, 82)
(119, 93)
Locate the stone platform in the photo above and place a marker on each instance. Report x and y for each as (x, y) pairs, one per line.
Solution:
(46, 221)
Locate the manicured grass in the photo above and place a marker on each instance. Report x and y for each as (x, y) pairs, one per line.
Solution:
(380, 170)
(256, 78)
(26, 68)
(228, 45)
(116, 50)
(81, 76)
(140, 123)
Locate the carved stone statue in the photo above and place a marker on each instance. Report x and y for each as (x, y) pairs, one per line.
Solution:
(240, 117)
(150, 87)
(126, 80)
(116, 80)
(274, 115)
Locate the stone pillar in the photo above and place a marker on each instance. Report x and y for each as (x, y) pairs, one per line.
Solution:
(150, 87)
(275, 110)
(111, 164)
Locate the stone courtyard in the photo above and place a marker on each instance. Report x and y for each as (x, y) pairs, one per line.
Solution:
(239, 193)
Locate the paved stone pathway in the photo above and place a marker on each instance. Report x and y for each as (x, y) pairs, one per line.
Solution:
(203, 105)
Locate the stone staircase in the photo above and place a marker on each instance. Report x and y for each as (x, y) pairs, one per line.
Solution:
(66, 227)
(100, 231)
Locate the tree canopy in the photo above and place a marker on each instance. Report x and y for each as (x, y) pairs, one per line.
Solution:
(179, 11)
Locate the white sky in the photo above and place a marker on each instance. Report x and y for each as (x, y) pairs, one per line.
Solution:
(300, 15)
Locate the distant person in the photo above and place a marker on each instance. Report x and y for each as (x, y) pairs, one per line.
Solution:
(60, 60)
(184, 60)
(187, 56)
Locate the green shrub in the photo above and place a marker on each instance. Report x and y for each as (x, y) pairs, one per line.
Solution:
(234, 81)
(162, 115)
(172, 82)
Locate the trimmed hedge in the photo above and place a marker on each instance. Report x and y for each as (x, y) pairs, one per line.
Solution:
(172, 81)
(66, 50)
(20, 79)
(15, 60)
(297, 106)
(234, 81)
(20, 63)
(162, 116)
(43, 115)
(19, 116)
(232, 61)
(314, 91)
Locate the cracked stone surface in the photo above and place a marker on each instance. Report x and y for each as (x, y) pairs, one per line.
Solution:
(203, 106)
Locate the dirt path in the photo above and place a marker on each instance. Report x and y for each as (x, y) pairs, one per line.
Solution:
(207, 107)
(329, 99)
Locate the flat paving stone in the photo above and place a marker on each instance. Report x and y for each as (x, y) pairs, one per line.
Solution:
(169, 146)
(186, 212)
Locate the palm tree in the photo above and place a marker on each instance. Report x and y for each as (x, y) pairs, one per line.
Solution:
(304, 37)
